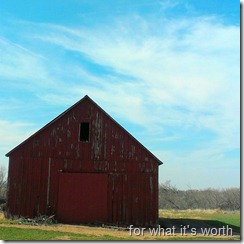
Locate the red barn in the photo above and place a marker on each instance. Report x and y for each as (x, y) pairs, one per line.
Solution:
(84, 168)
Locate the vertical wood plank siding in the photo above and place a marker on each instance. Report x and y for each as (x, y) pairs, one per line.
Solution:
(132, 171)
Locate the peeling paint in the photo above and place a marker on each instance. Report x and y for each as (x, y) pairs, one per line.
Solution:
(131, 170)
(68, 133)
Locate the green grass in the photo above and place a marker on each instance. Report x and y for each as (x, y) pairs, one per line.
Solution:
(201, 219)
(228, 218)
(14, 233)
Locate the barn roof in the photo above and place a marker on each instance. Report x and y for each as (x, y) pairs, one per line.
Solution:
(70, 108)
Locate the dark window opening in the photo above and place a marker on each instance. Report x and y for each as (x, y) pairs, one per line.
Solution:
(84, 131)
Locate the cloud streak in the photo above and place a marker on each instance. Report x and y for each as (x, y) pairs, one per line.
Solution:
(191, 65)
(173, 78)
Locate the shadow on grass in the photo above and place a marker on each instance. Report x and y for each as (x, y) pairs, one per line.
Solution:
(200, 225)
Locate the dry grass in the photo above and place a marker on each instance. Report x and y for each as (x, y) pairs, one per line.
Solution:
(191, 213)
(61, 238)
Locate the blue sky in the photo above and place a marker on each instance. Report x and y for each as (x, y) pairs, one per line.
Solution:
(167, 71)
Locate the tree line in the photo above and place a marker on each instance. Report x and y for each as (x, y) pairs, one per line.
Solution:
(172, 198)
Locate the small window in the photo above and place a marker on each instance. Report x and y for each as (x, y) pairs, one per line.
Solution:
(84, 131)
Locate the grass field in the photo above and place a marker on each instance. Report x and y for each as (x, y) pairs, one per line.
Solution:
(212, 220)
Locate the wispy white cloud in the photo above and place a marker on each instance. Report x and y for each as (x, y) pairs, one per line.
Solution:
(11, 134)
(192, 65)
(181, 74)
(18, 62)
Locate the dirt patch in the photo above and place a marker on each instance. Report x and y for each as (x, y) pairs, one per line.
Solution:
(62, 238)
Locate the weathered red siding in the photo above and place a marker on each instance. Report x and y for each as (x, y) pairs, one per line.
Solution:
(36, 167)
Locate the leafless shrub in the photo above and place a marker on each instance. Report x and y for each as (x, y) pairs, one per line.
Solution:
(172, 198)
(3, 184)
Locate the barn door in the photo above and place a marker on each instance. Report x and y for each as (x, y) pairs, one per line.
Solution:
(82, 198)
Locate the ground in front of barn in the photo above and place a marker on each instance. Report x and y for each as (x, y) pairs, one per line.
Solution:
(173, 225)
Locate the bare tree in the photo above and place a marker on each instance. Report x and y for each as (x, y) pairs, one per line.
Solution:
(172, 198)
(3, 183)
